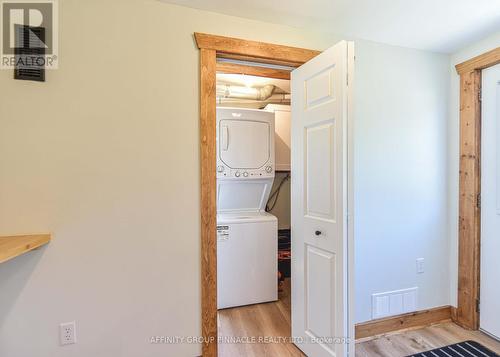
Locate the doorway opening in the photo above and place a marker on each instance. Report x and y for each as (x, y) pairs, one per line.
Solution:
(253, 209)
(212, 50)
(467, 313)
(322, 86)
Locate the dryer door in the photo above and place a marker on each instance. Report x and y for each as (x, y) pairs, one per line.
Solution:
(244, 144)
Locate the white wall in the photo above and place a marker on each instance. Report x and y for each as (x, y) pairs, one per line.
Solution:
(400, 174)
(465, 54)
(282, 209)
(104, 155)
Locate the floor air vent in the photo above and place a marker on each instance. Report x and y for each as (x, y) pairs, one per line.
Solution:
(394, 302)
(29, 53)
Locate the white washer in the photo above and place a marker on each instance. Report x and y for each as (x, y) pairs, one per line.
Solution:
(247, 266)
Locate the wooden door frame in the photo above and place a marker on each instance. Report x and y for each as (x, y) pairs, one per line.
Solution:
(469, 236)
(213, 47)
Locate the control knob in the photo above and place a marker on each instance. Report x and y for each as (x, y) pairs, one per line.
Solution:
(269, 169)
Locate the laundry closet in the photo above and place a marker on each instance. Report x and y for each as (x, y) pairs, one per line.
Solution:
(253, 189)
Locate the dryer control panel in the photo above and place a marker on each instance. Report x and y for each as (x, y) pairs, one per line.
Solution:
(245, 143)
(224, 172)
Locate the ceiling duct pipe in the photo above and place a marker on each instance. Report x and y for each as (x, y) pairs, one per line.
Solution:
(241, 92)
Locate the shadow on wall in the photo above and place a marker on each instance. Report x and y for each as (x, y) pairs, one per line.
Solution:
(282, 207)
(14, 275)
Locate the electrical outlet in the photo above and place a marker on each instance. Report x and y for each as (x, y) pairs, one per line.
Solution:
(67, 333)
(420, 265)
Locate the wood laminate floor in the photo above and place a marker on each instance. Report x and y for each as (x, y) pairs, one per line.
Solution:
(421, 340)
(242, 327)
(269, 320)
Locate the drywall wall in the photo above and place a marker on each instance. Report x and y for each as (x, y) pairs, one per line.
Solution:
(282, 207)
(400, 174)
(465, 54)
(104, 155)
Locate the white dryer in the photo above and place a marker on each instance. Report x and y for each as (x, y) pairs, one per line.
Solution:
(245, 143)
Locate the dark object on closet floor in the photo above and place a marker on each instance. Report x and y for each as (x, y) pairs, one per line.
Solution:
(467, 348)
(284, 241)
(284, 253)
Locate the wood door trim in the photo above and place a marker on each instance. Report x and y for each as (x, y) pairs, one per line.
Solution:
(401, 322)
(252, 50)
(208, 198)
(469, 236)
(469, 190)
(480, 62)
(227, 67)
(210, 47)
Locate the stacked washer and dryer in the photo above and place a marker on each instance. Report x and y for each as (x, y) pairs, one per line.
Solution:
(246, 233)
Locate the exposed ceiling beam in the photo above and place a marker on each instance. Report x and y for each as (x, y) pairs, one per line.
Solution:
(226, 67)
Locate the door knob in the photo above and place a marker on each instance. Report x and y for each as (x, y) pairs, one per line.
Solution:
(318, 233)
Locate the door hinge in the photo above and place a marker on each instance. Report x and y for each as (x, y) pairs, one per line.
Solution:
(478, 202)
(480, 95)
(478, 305)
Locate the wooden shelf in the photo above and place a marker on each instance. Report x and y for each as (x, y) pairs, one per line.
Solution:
(13, 246)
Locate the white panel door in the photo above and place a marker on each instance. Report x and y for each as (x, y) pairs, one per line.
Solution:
(319, 204)
(490, 205)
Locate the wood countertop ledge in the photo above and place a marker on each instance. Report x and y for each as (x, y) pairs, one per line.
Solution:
(13, 246)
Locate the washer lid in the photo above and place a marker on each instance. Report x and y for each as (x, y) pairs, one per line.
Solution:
(244, 144)
(243, 195)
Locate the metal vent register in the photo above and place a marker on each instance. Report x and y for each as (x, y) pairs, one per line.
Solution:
(29, 53)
